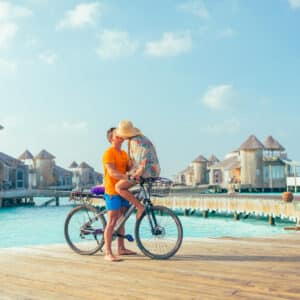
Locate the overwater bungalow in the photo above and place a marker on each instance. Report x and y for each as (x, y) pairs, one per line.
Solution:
(252, 166)
(84, 175)
(44, 172)
(197, 172)
(13, 173)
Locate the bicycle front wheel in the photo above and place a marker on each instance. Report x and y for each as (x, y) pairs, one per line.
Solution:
(159, 233)
(84, 229)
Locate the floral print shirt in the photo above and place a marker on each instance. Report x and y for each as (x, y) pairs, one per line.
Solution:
(143, 153)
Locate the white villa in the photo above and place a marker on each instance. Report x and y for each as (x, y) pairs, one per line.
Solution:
(254, 165)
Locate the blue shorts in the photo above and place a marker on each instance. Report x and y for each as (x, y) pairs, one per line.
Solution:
(115, 202)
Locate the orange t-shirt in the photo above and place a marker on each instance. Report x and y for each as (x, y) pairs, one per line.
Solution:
(120, 160)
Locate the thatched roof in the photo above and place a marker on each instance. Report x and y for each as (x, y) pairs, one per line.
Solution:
(84, 165)
(227, 164)
(200, 158)
(45, 155)
(26, 155)
(9, 160)
(271, 144)
(252, 143)
(213, 159)
(73, 165)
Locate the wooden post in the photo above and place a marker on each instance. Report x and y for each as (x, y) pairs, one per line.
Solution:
(186, 211)
(271, 220)
(295, 178)
(56, 200)
(1, 202)
(270, 178)
(236, 216)
(205, 214)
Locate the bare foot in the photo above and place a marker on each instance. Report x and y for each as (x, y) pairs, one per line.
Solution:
(126, 252)
(140, 212)
(112, 258)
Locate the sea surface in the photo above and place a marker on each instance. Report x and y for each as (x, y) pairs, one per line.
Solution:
(25, 226)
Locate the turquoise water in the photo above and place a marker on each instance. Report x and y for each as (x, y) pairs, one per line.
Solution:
(23, 226)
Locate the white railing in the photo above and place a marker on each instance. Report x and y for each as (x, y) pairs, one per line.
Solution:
(293, 181)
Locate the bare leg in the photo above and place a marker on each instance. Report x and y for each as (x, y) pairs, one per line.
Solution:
(122, 250)
(122, 189)
(113, 216)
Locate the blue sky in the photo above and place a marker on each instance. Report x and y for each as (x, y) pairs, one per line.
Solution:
(196, 76)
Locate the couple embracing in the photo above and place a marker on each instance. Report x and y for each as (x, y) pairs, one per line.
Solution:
(121, 172)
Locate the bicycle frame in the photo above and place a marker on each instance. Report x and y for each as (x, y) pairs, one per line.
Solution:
(142, 195)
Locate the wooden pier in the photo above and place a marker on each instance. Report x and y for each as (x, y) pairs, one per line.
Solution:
(26, 196)
(269, 206)
(223, 268)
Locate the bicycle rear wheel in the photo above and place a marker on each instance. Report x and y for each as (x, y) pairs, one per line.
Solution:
(84, 229)
(159, 233)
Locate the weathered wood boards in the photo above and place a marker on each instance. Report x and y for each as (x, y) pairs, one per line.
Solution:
(245, 268)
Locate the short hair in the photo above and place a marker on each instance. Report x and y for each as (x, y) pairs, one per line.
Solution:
(109, 133)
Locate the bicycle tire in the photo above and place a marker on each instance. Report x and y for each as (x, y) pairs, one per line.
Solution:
(84, 243)
(169, 233)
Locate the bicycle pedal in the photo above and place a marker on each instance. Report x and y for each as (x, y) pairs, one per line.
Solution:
(129, 238)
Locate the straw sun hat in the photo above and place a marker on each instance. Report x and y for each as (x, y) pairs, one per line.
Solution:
(126, 129)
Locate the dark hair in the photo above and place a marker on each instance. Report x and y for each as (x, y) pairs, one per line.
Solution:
(109, 133)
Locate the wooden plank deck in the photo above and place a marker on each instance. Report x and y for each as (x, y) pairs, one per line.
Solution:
(223, 268)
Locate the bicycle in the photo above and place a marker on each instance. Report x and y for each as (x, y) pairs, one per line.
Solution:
(158, 232)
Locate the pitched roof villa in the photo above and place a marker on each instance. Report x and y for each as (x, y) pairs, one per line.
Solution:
(253, 165)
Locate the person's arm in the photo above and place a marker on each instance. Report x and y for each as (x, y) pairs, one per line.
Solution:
(129, 164)
(113, 172)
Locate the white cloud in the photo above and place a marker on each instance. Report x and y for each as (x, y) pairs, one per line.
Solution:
(225, 127)
(171, 44)
(82, 15)
(195, 7)
(9, 14)
(48, 57)
(294, 4)
(9, 11)
(114, 44)
(218, 97)
(7, 66)
(7, 33)
(226, 33)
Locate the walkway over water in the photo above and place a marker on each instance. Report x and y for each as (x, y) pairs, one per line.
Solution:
(21, 196)
(260, 205)
(225, 268)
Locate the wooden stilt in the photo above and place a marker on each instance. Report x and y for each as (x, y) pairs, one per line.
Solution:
(236, 216)
(205, 214)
